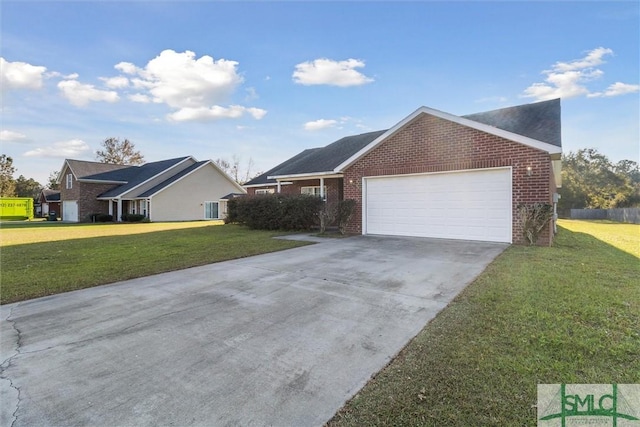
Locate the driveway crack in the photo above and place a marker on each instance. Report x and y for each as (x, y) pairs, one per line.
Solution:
(6, 364)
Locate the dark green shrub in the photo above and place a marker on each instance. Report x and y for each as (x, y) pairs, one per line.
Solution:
(132, 217)
(104, 218)
(274, 211)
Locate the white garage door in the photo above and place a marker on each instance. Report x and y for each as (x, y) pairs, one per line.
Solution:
(70, 210)
(469, 205)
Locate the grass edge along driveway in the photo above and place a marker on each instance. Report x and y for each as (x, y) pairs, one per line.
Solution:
(93, 255)
(565, 314)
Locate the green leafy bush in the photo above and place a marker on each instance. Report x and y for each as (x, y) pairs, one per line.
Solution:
(344, 212)
(275, 211)
(104, 218)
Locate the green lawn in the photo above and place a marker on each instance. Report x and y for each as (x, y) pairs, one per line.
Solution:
(565, 314)
(41, 258)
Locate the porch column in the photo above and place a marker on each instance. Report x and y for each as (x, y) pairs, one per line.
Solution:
(322, 188)
(279, 187)
(111, 207)
(119, 219)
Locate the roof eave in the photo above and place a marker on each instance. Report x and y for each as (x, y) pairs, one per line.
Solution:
(100, 181)
(310, 175)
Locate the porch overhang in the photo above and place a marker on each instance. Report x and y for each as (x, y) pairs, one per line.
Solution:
(305, 176)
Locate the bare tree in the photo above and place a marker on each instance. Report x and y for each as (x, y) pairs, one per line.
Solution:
(235, 169)
(52, 181)
(119, 152)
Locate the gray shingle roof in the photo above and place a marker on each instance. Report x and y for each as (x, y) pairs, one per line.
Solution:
(83, 169)
(323, 159)
(173, 179)
(540, 120)
(51, 195)
(136, 175)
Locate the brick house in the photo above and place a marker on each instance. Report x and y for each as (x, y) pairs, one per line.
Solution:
(435, 174)
(49, 201)
(180, 189)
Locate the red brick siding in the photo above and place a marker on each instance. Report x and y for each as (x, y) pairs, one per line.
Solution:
(85, 193)
(88, 204)
(431, 144)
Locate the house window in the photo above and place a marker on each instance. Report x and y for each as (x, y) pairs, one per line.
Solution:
(211, 210)
(264, 191)
(69, 181)
(143, 207)
(313, 191)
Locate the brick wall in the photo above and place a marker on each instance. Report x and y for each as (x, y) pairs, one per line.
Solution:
(88, 204)
(431, 144)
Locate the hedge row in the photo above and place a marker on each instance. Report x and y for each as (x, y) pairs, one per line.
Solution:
(275, 211)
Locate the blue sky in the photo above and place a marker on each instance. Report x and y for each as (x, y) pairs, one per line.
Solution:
(265, 80)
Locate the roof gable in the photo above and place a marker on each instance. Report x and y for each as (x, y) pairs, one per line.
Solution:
(522, 139)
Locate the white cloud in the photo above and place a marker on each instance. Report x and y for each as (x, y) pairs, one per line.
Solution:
(569, 79)
(320, 124)
(616, 89)
(11, 136)
(592, 59)
(182, 81)
(193, 87)
(80, 94)
(62, 149)
(214, 113)
(118, 82)
(325, 71)
(126, 67)
(139, 97)
(20, 75)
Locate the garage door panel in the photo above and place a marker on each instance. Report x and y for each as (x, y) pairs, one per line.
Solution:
(471, 205)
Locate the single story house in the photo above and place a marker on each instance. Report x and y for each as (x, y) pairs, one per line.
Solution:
(180, 189)
(435, 174)
(49, 201)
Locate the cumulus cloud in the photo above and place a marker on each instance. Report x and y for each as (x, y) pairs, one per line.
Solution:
(11, 136)
(139, 97)
(570, 79)
(616, 89)
(320, 124)
(181, 80)
(20, 75)
(62, 149)
(115, 82)
(80, 94)
(325, 71)
(193, 87)
(214, 113)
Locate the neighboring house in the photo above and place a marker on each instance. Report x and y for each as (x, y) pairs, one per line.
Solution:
(49, 201)
(435, 174)
(181, 189)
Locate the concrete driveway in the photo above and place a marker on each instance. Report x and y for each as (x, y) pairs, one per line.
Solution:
(280, 339)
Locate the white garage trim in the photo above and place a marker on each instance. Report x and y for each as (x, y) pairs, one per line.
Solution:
(471, 204)
(70, 210)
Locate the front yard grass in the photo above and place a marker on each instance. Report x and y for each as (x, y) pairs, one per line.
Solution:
(40, 259)
(566, 314)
